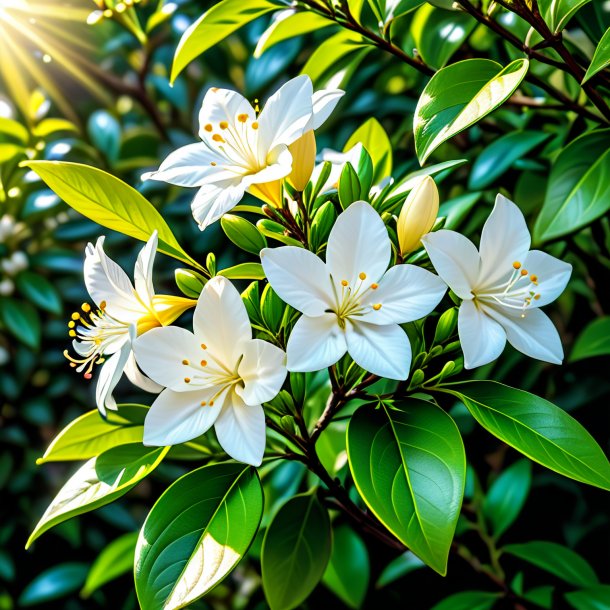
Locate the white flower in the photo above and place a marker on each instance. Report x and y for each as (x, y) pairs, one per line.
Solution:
(337, 161)
(218, 375)
(123, 312)
(502, 286)
(241, 149)
(351, 303)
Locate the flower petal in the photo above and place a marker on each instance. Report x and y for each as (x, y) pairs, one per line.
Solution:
(553, 275)
(455, 259)
(482, 339)
(110, 374)
(178, 417)
(133, 373)
(324, 102)
(504, 240)
(213, 201)
(222, 105)
(381, 350)
(221, 321)
(142, 274)
(405, 293)
(241, 431)
(279, 165)
(263, 370)
(299, 277)
(315, 343)
(358, 243)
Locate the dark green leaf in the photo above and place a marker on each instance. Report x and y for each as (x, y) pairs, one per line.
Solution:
(593, 598)
(399, 567)
(468, 600)
(601, 57)
(593, 341)
(54, 583)
(39, 291)
(22, 321)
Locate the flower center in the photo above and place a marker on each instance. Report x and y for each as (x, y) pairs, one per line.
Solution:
(353, 301)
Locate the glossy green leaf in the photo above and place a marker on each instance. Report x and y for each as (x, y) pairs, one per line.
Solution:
(556, 559)
(468, 600)
(537, 428)
(21, 320)
(222, 19)
(399, 567)
(409, 467)
(39, 290)
(110, 202)
(377, 143)
(189, 282)
(105, 133)
(50, 126)
(458, 96)
(244, 271)
(196, 533)
(500, 155)
(557, 13)
(601, 57)
(592, 598)
(348, 571)
(89, 435)
(100, 481)
(53, 584)
(507, 495)
(15, 130)
(243, 233)
(594, 340)
(114, 561)
(295, 552)
(579, 187)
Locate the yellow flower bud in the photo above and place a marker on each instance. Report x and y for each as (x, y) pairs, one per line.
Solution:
(269, 192)
(418, 215)
(303, 153)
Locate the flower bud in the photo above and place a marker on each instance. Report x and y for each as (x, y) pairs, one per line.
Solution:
(303, 153)
(417, 215)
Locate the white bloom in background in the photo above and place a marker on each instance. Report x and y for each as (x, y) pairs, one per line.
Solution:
(338, 161)
(217, 375)
(351, 303)
(502, 286)
(242, 150)
(123, 312)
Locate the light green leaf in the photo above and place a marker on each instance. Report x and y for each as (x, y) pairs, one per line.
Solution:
(100, 481)
(377, 143)
(47, 127)
(114, 561)
(9, 127)
(579, 187)
(399, 567)
(196, 533)
(468, 600)
(557, 13)
(348, 571)
(537, 428)
(458, 96)
(89, 435)
(243, 233)
(601, 57)
(592, 598)
(109, 202)
(222, 19)
(594, 340)
(409, 467)
(556, 559)
(38, 290)
(296, 549)
(244, 271)
(507, 495)
(10, 151)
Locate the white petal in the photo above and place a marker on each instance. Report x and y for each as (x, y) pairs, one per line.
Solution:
(213, 201)
(504, 240)
(138, 379)
(381, 350)
(299, 277)
(358, 243)
(553, 275)
(221, 321)
(455, 259)
(263, 370)
(324, 103)
(109, 375)
(482, 338)
(222, 105)
(160, 353)
(241, 431)
(178, 417)
(286, 115)
(187, 166)
(279, 165)
(142, 274)
(534, 335)
(405, 293)
(315, 343)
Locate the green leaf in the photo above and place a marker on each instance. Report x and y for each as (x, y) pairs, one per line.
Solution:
(50, 126)
(196, 533)
(105, 133)
(507, 495)
(556, 559)
(189, 282)
(54, 583)
(100, 481)
(22, 321)
(114, 561)
(409, 466)
(296, 549)
(39, 291)
(557, 13)
(349, 186)
(579, 187)
(243, 233)
(594, 340)
(537, 428)
(438, 33)
(500, 155)
(377, 143)
(348, 571)
(9, 151)
(601, 57)
(109, 202)
(215, 25)
(458, 96)
(15, 130)
(244, 271)
(89, 435)
(468, 600)
(593, 598)
(399, 567)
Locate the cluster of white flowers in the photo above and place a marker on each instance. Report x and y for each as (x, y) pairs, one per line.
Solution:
(351, 302)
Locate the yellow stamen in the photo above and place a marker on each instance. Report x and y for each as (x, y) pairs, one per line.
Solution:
(103, 305)
(242, 118)
(517, 265)
(185, 362)
(377, 306)
(213, 164)
(72, 333)
(209, 127)
(374, 286)
(204, 346)
(344, 283)
(211, 403)
(536, 296)
(523, 271)
(76, 316)
(71, 324)
(362, 275)
(204, 363)
(86, 307)
(203, 403)
(534, 278)
(217, 138)
(187, 380)
(223, 124)
(255, 125)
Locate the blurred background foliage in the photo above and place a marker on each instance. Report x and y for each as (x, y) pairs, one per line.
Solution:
(89, 82)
